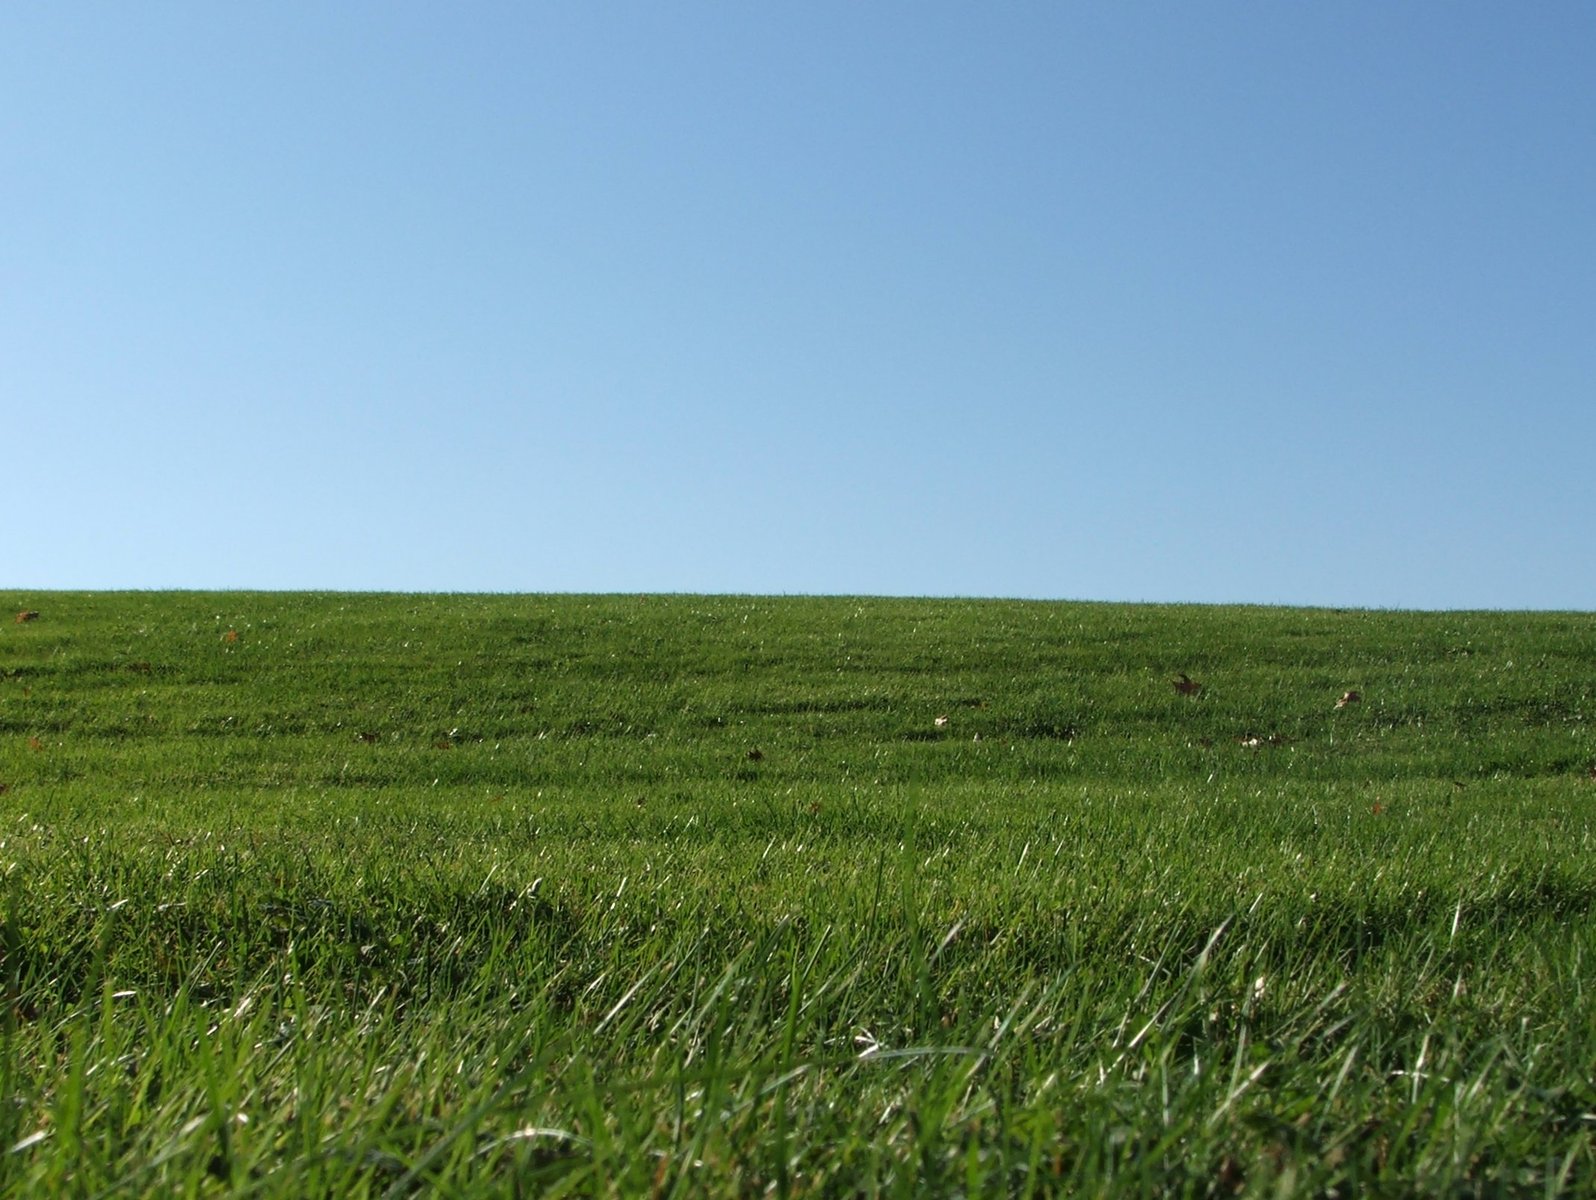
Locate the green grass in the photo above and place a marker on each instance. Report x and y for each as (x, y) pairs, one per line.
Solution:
(361, 895)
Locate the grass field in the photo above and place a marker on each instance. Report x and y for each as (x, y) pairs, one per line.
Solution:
(361, 895)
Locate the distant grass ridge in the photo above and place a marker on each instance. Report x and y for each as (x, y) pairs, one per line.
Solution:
(357, 894)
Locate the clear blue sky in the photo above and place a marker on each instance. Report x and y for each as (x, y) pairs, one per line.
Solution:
(1274, 302)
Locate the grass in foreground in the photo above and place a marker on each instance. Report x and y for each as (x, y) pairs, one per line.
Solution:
(375, 895)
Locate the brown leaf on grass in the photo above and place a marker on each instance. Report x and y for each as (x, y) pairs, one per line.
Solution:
(443, 744)
(1230, 1175)
(26, 615)
(1349, 698)
(230, 636)
(35, 744)
(1186, 685)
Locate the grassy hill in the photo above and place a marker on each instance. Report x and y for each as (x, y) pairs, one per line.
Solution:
(361, 894)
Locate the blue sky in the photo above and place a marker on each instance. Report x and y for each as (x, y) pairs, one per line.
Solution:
(1277, 302)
